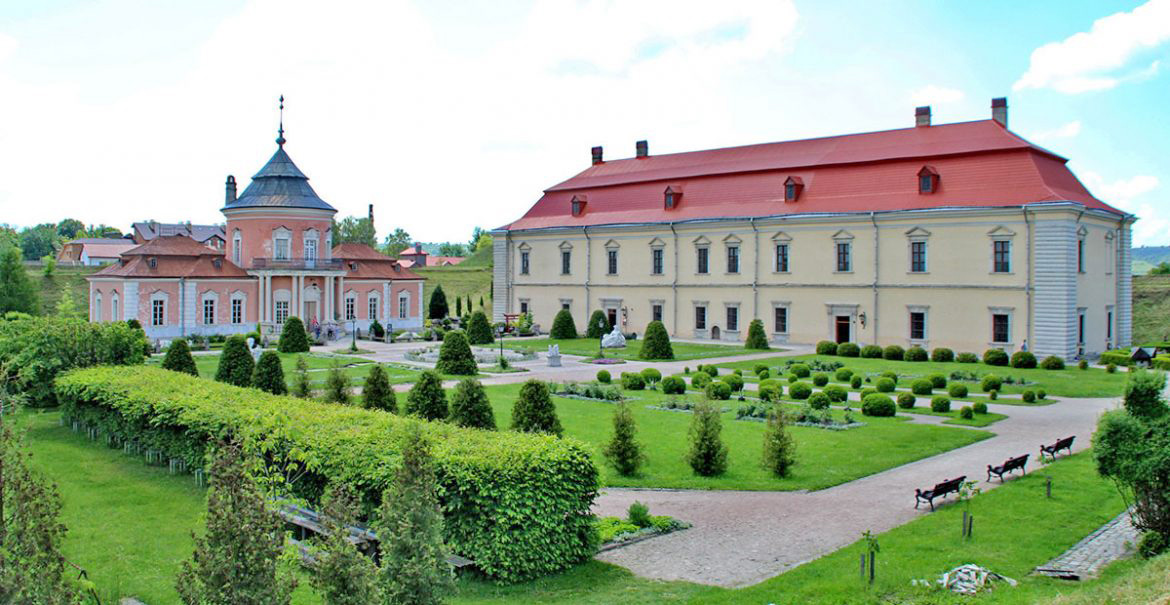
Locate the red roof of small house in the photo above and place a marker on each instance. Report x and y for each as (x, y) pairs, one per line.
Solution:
(96, 247)
(413, 250)
(445, 260)
(174, 256)
(979, 164)
(363, 262)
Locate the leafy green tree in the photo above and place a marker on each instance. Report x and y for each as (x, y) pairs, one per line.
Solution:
(1143, 394)
(301, 386)
(534, 411)
(623, 451)
(437, 308)
(563, 327)
(342, 575)
(293, 338)
(70, 228)
(235, 363)
(455, 356)
(354, 230)
(50, 263)
(269, 375)
(179, 359)
(707, 455)
(1162, 268)
(426, 398)
(414, 559)
(779, 449)
(395, 243)
(452, 249)
(237, 560)
(479, 331)
(38, 241)
(67, 306)
(337, 387)
(595, 328)
(377, 394)
(16, 289)
(756, 339)
(470, 406)
(656, 343)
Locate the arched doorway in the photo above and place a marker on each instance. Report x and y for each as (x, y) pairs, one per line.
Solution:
(714, 332)
(312, 297)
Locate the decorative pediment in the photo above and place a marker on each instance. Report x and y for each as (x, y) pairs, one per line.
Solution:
(918, 233)
(657, 243)
(732, 240)
(565, 245)
(524, 247)
(842, 235)
(781, 237)
(1001, 232)
(1082, 232)
(702, 241)
(612, 245)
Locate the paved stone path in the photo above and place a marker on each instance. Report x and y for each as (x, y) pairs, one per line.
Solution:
(1107, 544)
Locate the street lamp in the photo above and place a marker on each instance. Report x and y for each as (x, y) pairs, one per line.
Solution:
(603, 324)
(353, 334)
(500, 330)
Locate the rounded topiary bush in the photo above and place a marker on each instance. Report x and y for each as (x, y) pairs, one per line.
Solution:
(656, 343)
(878, 405)
(756, 339)
(652, 376)
(718, 390)
(906, 400)
(764, 375)
(871, 352)
(800, 391)
(293, 338)
(820, 379)
(598, 325)
(534, 411)
(700, 380)
(455, 355)
(1052, 362)
(995, 357)
(269, 375)
(711, 371)
(759, 368)
(993, 394)
(848, 349)
(990, 382)
(1111, 368)
(1029, 396)
(377, 394)
(470, 406)
(604, 377)
(826, 347)
(563, 327)
(921, 386)
(800, 370)
(891, 375)
(855, 382)
(479, 331)
(674, 385)
(894, 353)
(916, 354)
(179, 358)
(1083, 364)
(771, 390)
(942, 354)
(735, 381)
(938, 380)
(836, 393)
(235, 363)
(633, 381)
(844, 374)
(967, 358)
(979, 407)
(1041, 394)
(1023, 360)
(957, 390)
(940, 404)
(819, 401)
(885, 385)
(966, 412)
(376, 329)
(866, 391)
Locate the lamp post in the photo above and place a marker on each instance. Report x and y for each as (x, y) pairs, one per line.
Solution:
(603, 324)
(353, 334)
(500, 330)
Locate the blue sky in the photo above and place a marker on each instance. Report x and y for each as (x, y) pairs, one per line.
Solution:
(452, 115)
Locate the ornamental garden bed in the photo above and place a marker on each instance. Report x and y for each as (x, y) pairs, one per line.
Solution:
(588, 347)
(615, 532)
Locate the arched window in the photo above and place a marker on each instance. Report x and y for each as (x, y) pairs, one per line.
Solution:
(281, 244)
(114, 316)
(207, 307)
(350, 305)
(310, 242)
(373, 299)
(237, 241)
(403, 305)
(97, 306)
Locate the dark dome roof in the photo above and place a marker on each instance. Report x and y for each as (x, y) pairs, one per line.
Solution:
(280, 184)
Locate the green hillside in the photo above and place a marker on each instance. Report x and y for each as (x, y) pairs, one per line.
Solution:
(64, 279)
(1151, 308)
(473, 276)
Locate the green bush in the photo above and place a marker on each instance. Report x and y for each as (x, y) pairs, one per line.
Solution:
(735, 381)
(1111, 368)
(800, 370)
(604, 377)
(836, 394)
(598, 325)
(1041, 394)
(799, 391)
(979, 407)
(455, 356)
(376, 329)
(1023, 360)
(967, 358)
(906, 400)
(235, 363)
(626, 455)
(764, 375)
(674, 385)
(1152, 544)
(656, 343)
(855, 382)
(711, 371)
(633, 381)
(892, 375)
(293, 338)
(269, 375)
(700, 380)
(871, 352)
(470, 407)
(377, 394)
(771, 391)
(426, 398)
(759, 368)
(1083, 364)
(966, 413)
(820, 379)
(866, 392)
(479, 331)
(940, 404)
(1143, 396)
(819, 401)
(179, 358)
(563, 327)
(718, 390)
(942, 355)
(877, 405)
(921, 386)
(916, 353)
(756, 339)
(995, 357)
(848, 349)
(957, 390)
(993, 394)
(938, 381)
(894, 353)
(990, 382)
(707, 455)
(337, 388)
(1052, 362)
(542, 485)
(437, 307)
(843, 374)
(779, 448)
(826, 347)
(885, 385)
(652, 376)
(534, 411)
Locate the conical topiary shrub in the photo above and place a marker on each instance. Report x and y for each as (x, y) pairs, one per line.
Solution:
(437, 309)
(598, 325)
(426, 398)
(756, 339)
(656, 343)
(179, 359)
(470, 406)
(293, 338)
(377, 394)
(337, 387)
(623, 451)
(708, 454)
(455, 355)
(479, 331)
(235, 363)
(268, 375)
(563, 327)
(534, 411)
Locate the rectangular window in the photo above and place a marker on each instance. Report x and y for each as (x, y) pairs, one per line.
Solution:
(281, 311)
(782, 258)
(611, 264)
(373, 308)
(236, 250)
(733, 318)
(917, 325)
(781, 326)
(158, 312)
(566, 257)
(523, 306)
(1001, 328)
(281, 248)
(565, 306)
(1003, 256)
(208, 312)
(237, 311)
(700, 318)
(1081, 328)
(403, 307)
(844, 263)
(523, 263)
(310, 249)
(350, 309)
(656, 312)
(918, 257)
(1081, 255)
(656, 261)
(702, 260)
(733, 259)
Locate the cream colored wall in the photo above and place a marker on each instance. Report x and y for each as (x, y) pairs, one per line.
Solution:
(1097, 285)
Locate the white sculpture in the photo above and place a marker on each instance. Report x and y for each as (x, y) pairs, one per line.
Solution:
(554, 356)
(613, 340)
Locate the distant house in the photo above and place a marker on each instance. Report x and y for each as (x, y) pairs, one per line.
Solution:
(93, 251)
(415, 256)
(445, 261)
(211, 236)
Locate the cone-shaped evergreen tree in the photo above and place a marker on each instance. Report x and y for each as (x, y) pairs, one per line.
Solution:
(337, 388)
(455, 355)
(377, 394)
(17, 292)
(563, 327)
(534, 411)
(479, 331)
(269, 375)
(301, 386)
(293, 338)
(458, 306)
(235, 363)
(437, 309)
(708, 455)
(624, 452)
(656, 343)
(470, 406)
(598, 325)
(779, 449)
(342, 575)
(756, 339)
(426, 398)
(179, 359)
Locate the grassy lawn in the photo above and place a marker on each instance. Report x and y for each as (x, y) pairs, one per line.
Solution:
(207, 364)
(824, 458)
(1069, 382)
(587, 347)
(65, 281)
(953, 416)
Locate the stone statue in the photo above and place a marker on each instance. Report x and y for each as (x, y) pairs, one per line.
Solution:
(613, 340)
(554, 356)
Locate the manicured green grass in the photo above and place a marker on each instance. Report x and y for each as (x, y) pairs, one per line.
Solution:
(953, 415)
(207, 364)
(1151, 308)
(587, 347)
(824, 457)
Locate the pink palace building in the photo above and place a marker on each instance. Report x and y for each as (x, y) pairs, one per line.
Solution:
(279, 261)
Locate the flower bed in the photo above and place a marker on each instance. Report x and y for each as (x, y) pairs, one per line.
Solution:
(615, 531)
(805, 416)
(588, 391)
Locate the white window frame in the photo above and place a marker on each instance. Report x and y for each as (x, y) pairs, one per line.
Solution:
(403, 305)
(706, 319)
(158, 309)
(349, 305)
(373, 305)
(97, 303)
(114, 300)
(524, 262)
(566, 258)
(237, 310)
(237, 241)
(660, 305)
(280, 311)
(728, 308)
(787, 308)
(1008, 311)
(279, 236)
(925, 311)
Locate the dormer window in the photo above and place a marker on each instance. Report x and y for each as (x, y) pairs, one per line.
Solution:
(671, 197)
(217, 263)
(353, 266)
(793, 188)
(927, 180)
(578, 204)
(152, 262)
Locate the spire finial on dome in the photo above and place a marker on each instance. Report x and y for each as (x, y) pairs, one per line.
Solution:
(280, 133)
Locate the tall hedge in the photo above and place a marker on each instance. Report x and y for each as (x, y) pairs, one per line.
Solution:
(269, 375)
(455, 356)
(756, 339)
(594, 329)
(293, 338)
(235, 363)
(534, 412)
(656, 343)
(426, 398)
(543, 486)
(437, 308)
(470, 406)
(179, 359)
(479, 331)
(563, 327)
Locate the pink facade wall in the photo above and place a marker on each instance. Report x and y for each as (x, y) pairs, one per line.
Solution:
(256, 236)
(147, 289)
(107, 291)
(223, 307)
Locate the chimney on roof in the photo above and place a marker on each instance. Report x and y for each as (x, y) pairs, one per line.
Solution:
(922, 116)
(597, 155)
(231, 189)
(999, 110)
(642, 149)
(371, 214)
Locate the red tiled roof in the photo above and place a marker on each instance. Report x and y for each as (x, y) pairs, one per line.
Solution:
(173, 245)
(979, 163)
(445, 260)
(370, 264)
(351, 250)
(413, 250)
(174, 256)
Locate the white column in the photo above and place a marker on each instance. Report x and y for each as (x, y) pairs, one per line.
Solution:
(418, 308)
(267, 298)
(329, 298)
(386, 289)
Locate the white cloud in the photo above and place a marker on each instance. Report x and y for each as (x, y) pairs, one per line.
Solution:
(1153, 225)
(936, 95)
(1065, 131)
(1097, 59)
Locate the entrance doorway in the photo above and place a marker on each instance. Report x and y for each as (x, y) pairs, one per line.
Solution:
(714, 332)
(611, 315)
(311, 310)
(842, 324)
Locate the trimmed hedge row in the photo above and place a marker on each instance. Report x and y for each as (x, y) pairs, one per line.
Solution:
(517, 504)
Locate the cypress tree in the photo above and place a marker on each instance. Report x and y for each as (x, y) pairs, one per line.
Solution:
(426, 398)
(458, 306)
(779, 454)
(337, 389)
(708, 454)
(179, 359)
(16, 289)
(437, 309)
(624, 452)
(470, 406)
(594, 329)
(656, 343)
(480, 301)
(235, 363)
(301, 386)
(563, 327)
(293, 338)
(469, 303)
(377, 394)
(269, 375)
(756, 339)
(341, 574)
(534, 411)
(455, 355)
(479, 331)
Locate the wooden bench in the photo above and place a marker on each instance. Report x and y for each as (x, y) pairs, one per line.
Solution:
(939, 490)
(1062, 444)
(1011, 464)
